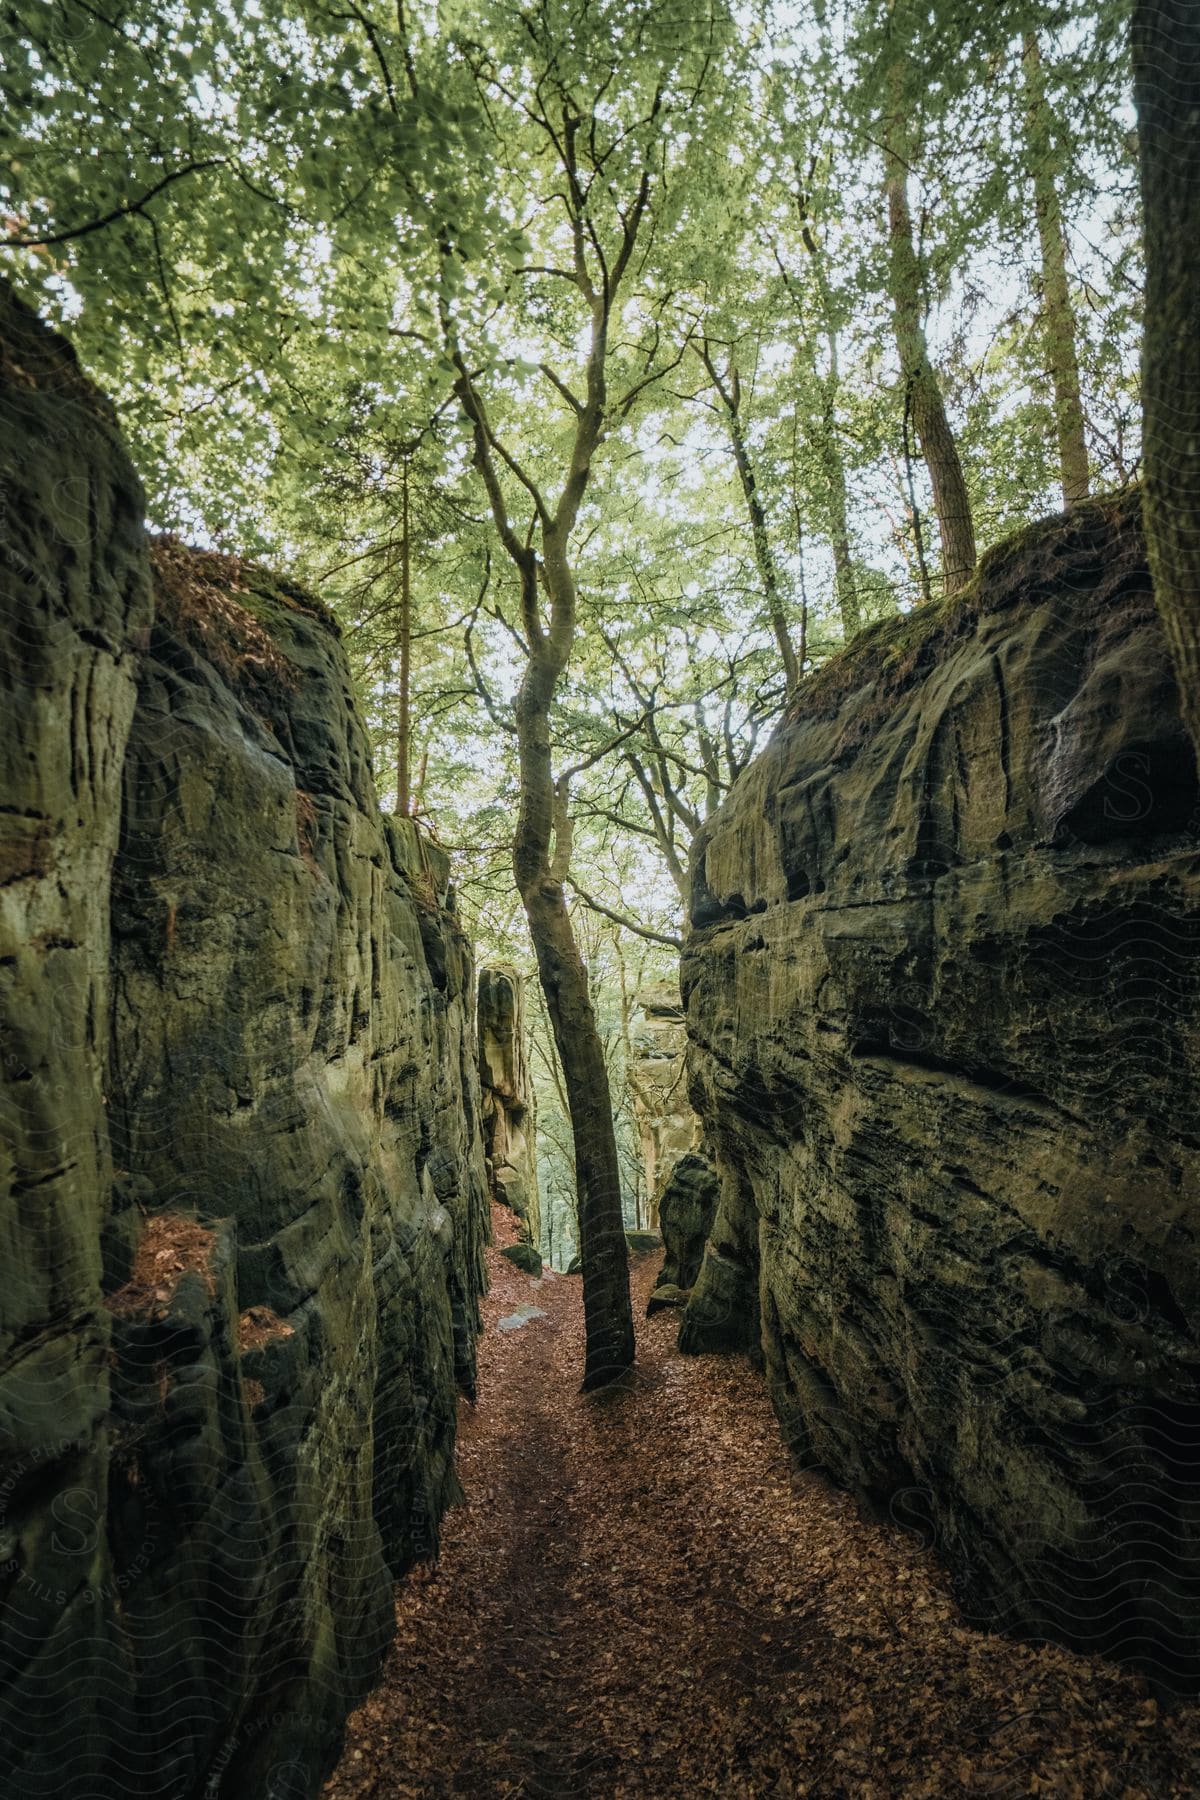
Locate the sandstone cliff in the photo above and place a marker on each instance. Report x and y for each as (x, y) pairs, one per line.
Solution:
(243, 1194)
(943, 993)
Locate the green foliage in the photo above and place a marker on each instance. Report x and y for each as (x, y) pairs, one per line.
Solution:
(261, 224)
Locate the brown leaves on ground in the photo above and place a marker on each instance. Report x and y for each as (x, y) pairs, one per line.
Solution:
(170, 1247)
(642, 1599)
(260, 1325)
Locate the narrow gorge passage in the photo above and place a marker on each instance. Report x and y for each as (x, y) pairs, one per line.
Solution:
(640, 1598)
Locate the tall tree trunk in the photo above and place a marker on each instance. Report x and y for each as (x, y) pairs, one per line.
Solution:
(1058, 315)
(923, 400)
(832, 463)
(764, 556)
(403, 725)
(608, 1316)
(729, 390)
(914, 519)
(844, 585)
(1166, 76)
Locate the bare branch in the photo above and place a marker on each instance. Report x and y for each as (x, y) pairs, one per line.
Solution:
(571, 399)
(589, 762)
(373, 39)
(643, 931)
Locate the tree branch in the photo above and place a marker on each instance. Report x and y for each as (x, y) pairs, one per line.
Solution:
(643, 931)
(571, 399)
(119, 212)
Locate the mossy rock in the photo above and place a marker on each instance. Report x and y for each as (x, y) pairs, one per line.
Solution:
(666, 1296)
(686, 1212)
(641, 1243)
(527, 1257)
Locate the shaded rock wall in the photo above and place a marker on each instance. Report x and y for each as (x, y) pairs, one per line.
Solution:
(686, 1214)
(509, 1109)
(243, 1195)
(943, 992)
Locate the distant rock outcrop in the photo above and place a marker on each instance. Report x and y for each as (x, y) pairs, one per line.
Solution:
(666, 1124)
(943, 993)
(509, 1108)
(242, 1188)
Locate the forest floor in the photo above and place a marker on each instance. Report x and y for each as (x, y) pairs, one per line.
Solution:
(640, 1598)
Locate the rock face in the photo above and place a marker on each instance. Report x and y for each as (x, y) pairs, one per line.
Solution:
(943, 992)
(666, 1124)
(509, 1112)
(686, 1213)
(242, 1194)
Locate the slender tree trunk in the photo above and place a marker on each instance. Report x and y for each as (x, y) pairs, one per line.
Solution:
(922, 390)
(844, 585)
(798, 522)
(403, 726)
(662, 819)
(1166, 74)
(608, 1316)
(1058, 315)
(764, 556)
(834, 467)
(914, 519)
(729, 390)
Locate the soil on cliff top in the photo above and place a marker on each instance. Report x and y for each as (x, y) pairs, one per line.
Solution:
(641, 1598)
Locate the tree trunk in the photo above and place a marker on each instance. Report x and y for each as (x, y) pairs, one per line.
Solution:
(729, 390)
(1166, 75)
(844, 586)
(763, 554)
(914, 519)
(1058, 316)
(403, 724)
(923, 400)
(608, 1316)
(839, 515)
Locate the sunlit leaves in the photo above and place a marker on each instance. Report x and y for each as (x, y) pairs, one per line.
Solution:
(269, 322)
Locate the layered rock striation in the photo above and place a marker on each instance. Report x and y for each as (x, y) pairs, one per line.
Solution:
(943, 996)
(243, 1192)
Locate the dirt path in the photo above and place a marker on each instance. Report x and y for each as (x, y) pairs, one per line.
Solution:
(641, 1599)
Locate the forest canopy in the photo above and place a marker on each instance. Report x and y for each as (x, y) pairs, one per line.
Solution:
(257, 221)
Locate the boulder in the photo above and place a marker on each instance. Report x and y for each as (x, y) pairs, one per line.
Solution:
(526, 1257)
(665, 1297)
(943, 997)
(686, 1212)
(506, 1086)
(666, 1124)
